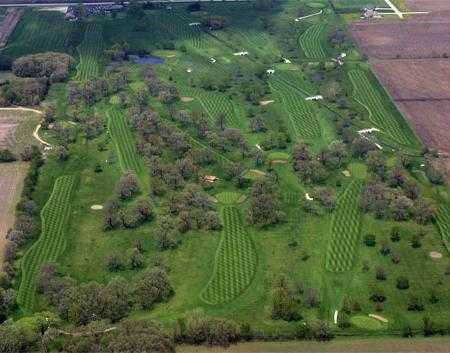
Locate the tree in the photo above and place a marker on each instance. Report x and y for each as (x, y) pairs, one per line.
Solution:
(369, 240)
(376, 163)
(284, 305)
(401, 208)
(118, 299)
(127, 186)
(7, 156)
(361, 146)
(137, 336)
(264, 206)
(402, 283)
(86, 303)
(152, 287)
(136, 259)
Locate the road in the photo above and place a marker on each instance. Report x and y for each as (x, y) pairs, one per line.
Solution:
(57, 4)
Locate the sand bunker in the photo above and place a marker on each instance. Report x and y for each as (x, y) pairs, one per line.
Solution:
(97, 207)
(266, 102)
(435, 255)
(379, 318)
(186, 99)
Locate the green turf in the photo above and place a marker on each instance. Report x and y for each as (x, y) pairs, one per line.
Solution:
(367, 323)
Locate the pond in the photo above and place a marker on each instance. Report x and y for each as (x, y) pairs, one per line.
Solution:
(146, 59)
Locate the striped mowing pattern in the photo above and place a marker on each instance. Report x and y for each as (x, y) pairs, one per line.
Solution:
(300, 112)
(90, 51)
(311, 42)
(371, 99)
(235, 262)
(124, 142)
(228, 197)
(345, 230)
(52, 241)
(443, 222)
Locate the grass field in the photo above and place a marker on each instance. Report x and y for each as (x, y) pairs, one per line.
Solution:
(311, 41)
(231, 273)
(90, 51)
(388, 122)
(443, 222)
(235, 262)
(124, 142)
(52, 241)
(345, 230)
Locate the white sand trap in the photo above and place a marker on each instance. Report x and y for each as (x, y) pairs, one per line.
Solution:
(186, 99)
(171, 56)
(189, 70)
(258, 147)
(379, 318)
(435, 255)
(242, 199)
(346, 173)
(241, 53)
(97, 207)
(258, 172)
(309, 198)
(336, 313)
(266, 102)
(212, 199)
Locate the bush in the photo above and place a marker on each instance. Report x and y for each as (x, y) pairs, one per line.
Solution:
(7, 156)
(369, 240)
(395, 234)
(380, 274)
(385, 250)
(378, 295)
(415, 242)
(402, 283)
(153, 287)
(415, 304)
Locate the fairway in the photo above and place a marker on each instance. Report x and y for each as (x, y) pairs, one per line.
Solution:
(235, 261)
(123, 141)
(90, 51)
(443, 222)
(379, 115)
(345, 230)
(52, 241)
(311, 41)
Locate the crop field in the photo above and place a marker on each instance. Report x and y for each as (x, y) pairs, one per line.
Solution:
(52, 241)
(345, 230)
(90, 51)
(443, 222)
(311, 41)
(302, 118)
(40, 31)
(124, 142)
(235, 262)
(366, 94)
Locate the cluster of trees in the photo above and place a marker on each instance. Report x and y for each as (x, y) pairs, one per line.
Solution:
(288, 300)
(316, 169)
(45, 334)
(54, 66)
(91, 91)
(166, 93)
(88, 302)
(118, 52)
(118, 213)
(264, 207)
(23, 91)
(215, 22)
(399, 203)
(25, 228)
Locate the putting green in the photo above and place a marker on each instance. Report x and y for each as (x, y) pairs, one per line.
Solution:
(316, 5)
(228, 197)
(367, 323)
(278, 156)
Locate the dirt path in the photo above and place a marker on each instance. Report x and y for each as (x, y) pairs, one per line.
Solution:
(36, 136)
(375, 345)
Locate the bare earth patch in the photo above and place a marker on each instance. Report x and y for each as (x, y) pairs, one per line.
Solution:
(186, 99)
(435, 255)
(266, 102)
(11, 182)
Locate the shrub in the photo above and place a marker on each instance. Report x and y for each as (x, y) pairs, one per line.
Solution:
(415, 304)
(428, 327)
(322, 331)
(395, 258)
(7, 156)
(115, 263)
(127, 186)
(415, 242)
(395, 234)
(152, 287)
(377, 295)
(385, 250)
(380, 274)
(402, 283)
(369, 240)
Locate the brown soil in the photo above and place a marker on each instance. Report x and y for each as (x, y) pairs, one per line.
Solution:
(11, 182)
(347, 345)
(7, 129)
(8, 24)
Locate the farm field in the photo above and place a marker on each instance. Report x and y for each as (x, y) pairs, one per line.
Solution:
(11, 179)
(220, 172)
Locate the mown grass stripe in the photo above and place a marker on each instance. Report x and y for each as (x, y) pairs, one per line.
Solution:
(51, 244)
